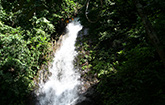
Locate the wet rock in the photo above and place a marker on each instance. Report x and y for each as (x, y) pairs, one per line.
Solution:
(90, 97)
(88, 92)
(85, 102)
(42, 75)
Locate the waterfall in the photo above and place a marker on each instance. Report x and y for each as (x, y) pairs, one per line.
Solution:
(62, 86)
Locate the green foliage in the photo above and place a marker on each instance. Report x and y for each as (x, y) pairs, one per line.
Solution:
(85, 56)
(124, 59)
(26, 30)
(139, 80)
(20, 59)
(16, 65)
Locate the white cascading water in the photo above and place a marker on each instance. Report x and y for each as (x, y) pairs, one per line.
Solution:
(62, 86)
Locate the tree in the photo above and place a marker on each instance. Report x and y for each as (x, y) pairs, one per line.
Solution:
(150, 31)
(121, 52)
(27, 29)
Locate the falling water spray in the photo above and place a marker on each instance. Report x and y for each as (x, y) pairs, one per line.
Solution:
(62, 86)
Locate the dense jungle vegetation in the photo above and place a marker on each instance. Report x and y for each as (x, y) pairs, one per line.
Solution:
(27, 30)
(124, 47)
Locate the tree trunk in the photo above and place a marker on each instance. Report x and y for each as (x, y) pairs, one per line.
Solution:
(150, 31)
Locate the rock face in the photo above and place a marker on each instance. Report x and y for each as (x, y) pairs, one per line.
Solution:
(90, 97)
(43, 74)
(88, 93)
